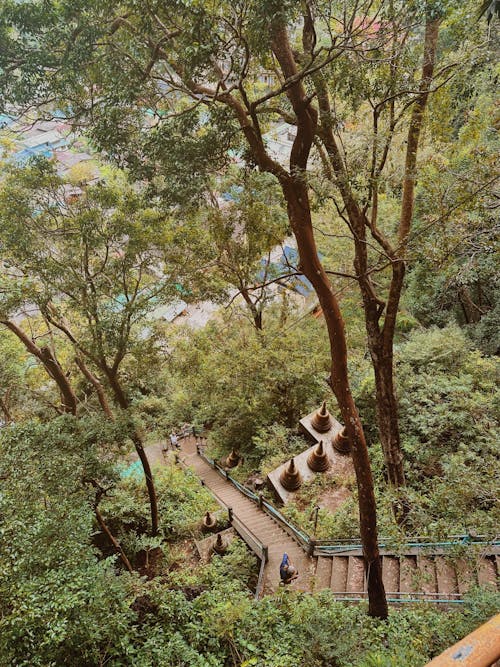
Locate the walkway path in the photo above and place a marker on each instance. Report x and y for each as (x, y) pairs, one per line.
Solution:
(257, 521)
(414, 574)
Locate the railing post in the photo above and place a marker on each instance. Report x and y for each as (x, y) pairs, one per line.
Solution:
(261, 500)
(265, 553)
(316, 512)
(230, 514)
(310, 547)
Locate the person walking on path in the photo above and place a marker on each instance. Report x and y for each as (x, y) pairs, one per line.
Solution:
(287, 571)
(174, 441)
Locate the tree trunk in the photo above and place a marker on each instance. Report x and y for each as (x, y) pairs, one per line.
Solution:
(99, 492)
(387, 414)
(136, 438)
(55, 370)
(299, 212)
(380, 347)
(51, 365)
(295, 190)
(256, 313)
(4, 405)
(472, 311)
(94, 381)
(112, 539)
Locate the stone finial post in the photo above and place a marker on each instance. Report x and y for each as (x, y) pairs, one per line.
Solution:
(322, 421)
(290, 478)
(318, 459)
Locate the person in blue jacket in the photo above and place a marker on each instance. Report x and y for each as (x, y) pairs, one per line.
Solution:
(287, 571)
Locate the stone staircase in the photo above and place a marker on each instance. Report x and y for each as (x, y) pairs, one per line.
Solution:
(420, 573)
(416, 576)
(252, 522)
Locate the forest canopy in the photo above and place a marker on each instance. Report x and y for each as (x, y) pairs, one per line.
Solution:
(215, 216)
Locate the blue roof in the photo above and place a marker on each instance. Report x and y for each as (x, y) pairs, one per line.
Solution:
(286, 264)
(27, 153)
(5, 120)
(233, 194)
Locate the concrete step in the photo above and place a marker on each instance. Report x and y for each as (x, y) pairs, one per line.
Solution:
(427, 575)
(355, 575)
(487, 572)
(465, 574)
(338, 579)
(446, 577)
(323, 573)
(390, 573)
(408, 579)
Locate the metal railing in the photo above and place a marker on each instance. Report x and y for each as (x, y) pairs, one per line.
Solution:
(300, 536)
(315, 547)
(332, 547)
(259, 549)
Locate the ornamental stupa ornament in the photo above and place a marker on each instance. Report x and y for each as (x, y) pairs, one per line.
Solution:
(321, 421)
(290, 478)
(318, 459)
(233, 459)
(341, 442)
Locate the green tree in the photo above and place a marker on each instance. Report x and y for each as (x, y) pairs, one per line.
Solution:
(59, 604)
(211, 55)
(454, 264)
(94, 267)
(12, 378)
(243, 232)
(239, 381)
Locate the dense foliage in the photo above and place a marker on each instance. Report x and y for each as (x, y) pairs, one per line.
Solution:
(185, 102)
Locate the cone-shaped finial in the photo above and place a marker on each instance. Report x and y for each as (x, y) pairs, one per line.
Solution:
(233, 459)
(341, 442)
(209, 521)
(322, 422)
(291, 478)
(318, 459)
(219, 547)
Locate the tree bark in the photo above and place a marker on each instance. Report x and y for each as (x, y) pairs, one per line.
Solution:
(51, 365)
(381, 337)
(297, 199)
(387, 414)
(472, 312)
(296, 194)
(256, 313)
(95, 382)
(102, 524)
(112, 539)
(4, 405)
(136, 438)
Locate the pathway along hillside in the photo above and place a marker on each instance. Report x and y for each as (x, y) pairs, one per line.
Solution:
(258, 522)
(417, 573)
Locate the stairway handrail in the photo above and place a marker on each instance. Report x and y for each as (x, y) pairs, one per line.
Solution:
(302, 537)
(326, 547)
(243, 531)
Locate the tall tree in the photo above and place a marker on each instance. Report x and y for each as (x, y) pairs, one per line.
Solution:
(95, 266)
(239, 230)
(385, 89)
(176, 54)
